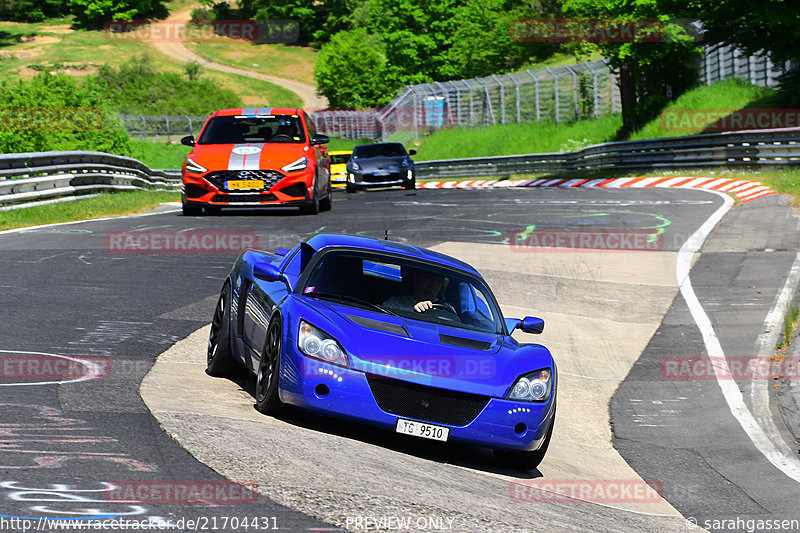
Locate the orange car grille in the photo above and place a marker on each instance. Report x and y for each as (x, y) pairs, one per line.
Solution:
(218, 178)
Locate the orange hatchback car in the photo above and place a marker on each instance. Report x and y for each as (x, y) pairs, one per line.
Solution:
(256, 157)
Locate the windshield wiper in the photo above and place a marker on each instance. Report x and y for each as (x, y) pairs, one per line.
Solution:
(353, 299)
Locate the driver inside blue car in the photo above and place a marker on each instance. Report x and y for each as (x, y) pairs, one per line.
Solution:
(425, 289)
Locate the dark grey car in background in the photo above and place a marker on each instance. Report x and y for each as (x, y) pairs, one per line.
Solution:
(380, 165)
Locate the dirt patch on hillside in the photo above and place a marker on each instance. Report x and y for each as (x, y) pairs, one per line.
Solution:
(57, 28)
(38, 40)
(19, 54)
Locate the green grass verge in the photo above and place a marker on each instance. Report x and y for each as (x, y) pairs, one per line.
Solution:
(107, 204)
(159, 154)
(522, 138)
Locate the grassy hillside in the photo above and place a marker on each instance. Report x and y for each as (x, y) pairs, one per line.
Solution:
(26, 49)
(694, 110)
(290, 62)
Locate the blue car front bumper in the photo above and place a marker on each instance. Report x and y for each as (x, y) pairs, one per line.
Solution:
(346, 393)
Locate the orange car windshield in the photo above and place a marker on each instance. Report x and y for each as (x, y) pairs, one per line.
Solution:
(262, 129)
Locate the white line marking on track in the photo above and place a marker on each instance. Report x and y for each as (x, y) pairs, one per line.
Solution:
(776, 453)
(759, 392)
(28, 228)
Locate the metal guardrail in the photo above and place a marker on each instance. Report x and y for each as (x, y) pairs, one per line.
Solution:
(35, 178)
(763, 149)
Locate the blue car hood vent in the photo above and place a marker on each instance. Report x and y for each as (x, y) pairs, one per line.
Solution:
(461, 342)
(379, 325)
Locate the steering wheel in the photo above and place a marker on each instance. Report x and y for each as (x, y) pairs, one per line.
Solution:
(281, 135)
(444, 307)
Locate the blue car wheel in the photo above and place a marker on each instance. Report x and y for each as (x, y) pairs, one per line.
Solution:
(219, 359)
(267, 400)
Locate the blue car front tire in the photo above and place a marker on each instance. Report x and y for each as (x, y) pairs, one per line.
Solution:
(267, 375)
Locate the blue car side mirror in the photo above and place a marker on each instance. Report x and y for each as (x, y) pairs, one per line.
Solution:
(532, 324)
(267, 272)
(529, 324)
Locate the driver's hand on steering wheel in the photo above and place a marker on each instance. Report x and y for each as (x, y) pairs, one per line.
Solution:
(423, 306)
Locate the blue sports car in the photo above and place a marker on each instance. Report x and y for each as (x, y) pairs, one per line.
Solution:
(390, 335)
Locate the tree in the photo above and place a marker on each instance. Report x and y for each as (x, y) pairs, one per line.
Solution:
(652, 68)
(306, 14)
(351, 71)
(772, 26)
(483, 43)
(415, 33)
(96, 13)
(340, 15)
(31, 10)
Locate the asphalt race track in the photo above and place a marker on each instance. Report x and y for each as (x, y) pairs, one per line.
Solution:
(75, 293)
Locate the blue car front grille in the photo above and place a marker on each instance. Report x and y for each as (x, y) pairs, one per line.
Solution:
(435, 405)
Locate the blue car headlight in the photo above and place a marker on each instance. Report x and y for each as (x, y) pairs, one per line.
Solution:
(315, 343)
(533, 387)
(355, 166)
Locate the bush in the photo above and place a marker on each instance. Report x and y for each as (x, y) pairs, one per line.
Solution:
(53, 112)
(136, 87)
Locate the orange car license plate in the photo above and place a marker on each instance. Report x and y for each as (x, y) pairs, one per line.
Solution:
(244, 184)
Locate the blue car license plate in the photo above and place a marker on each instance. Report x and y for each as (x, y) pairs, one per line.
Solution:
(422, 429)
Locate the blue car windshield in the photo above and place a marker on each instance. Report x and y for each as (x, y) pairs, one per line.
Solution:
(396, 286)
